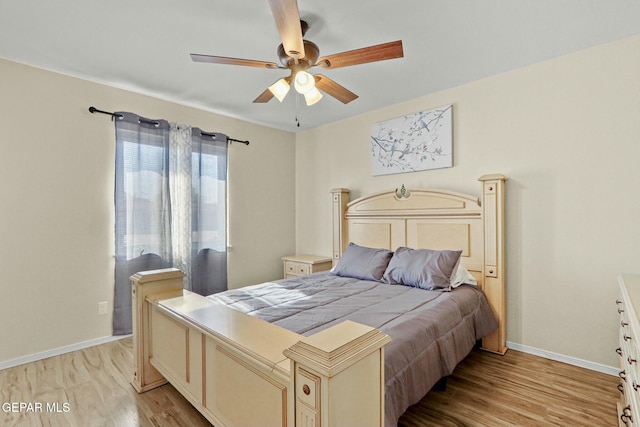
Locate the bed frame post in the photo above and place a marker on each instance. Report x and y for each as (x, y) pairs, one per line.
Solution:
(340, 198)
(168, 283)
(494, 266)
(337, 377)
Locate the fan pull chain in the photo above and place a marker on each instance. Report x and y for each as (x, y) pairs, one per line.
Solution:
(297, 110)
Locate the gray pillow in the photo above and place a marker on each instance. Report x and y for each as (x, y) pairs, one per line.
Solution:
(422, 268)
(363, 263)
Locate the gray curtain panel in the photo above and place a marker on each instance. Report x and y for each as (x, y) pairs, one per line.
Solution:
(142, 206)
(209, 212)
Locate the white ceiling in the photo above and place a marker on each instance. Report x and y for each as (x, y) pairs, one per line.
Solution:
(144, 46)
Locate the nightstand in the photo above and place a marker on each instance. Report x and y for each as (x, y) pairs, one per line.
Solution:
(299, 265)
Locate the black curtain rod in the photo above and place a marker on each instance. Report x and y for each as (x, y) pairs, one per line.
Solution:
(237, 140)
(95, 110)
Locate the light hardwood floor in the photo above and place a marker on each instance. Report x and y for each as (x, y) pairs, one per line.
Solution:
(485, 390)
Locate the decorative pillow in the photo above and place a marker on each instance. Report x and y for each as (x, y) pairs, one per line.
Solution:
(463, 277)
(422, 268)
(363, 263)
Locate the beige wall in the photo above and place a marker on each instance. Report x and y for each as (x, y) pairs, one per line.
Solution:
(567, 134)
(56, 203)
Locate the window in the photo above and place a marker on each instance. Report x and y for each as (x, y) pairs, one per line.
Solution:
(170, 202)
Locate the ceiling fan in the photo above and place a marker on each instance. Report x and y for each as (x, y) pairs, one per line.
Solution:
(299, 55)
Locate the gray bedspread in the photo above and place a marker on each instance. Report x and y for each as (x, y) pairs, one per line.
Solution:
(431, 332)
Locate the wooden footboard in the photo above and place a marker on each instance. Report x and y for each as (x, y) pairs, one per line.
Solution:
(238, 370)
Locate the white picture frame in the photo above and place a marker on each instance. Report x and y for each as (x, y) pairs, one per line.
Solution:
(417, 142)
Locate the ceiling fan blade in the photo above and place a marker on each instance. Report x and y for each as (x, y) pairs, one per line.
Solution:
(232, 61)
(339, 92)
(287, 17)
(264, 97)
(378, 52)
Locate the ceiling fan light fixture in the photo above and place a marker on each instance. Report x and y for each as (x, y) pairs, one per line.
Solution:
(299, 55)
(280, 89)
(312, 96)
(304, 82)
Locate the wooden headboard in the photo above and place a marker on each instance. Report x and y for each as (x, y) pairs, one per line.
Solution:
(434, 219)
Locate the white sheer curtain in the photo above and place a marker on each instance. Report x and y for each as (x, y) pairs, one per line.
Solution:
(180, 148)
(170, 205)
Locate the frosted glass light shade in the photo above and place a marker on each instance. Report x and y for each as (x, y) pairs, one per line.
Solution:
(280, 89)
(304, 82)
(312, 96)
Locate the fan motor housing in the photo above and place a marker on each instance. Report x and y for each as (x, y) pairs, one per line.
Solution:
(311, 54)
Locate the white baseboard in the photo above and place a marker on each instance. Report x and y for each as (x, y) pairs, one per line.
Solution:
(57, 351)
(610, 370)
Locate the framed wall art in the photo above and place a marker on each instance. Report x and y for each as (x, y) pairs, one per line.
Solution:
(416, 142)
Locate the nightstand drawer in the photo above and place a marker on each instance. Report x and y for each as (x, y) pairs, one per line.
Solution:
(300, 265)
(297, 268)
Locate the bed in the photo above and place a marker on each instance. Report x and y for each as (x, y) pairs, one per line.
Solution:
(331, 349)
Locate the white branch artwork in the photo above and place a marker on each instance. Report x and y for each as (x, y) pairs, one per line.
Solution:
(412, 143)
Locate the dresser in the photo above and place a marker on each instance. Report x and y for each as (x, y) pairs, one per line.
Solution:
(299, 265)
(628, 303)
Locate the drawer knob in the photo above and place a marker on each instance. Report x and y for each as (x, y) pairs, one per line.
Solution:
(626, 337)
(631, 360)
(635, 386)
(620, 311)
(306, 390)
(618, 302)
(623, 323)
(623, 375)
(619, 351)
(626, 415)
